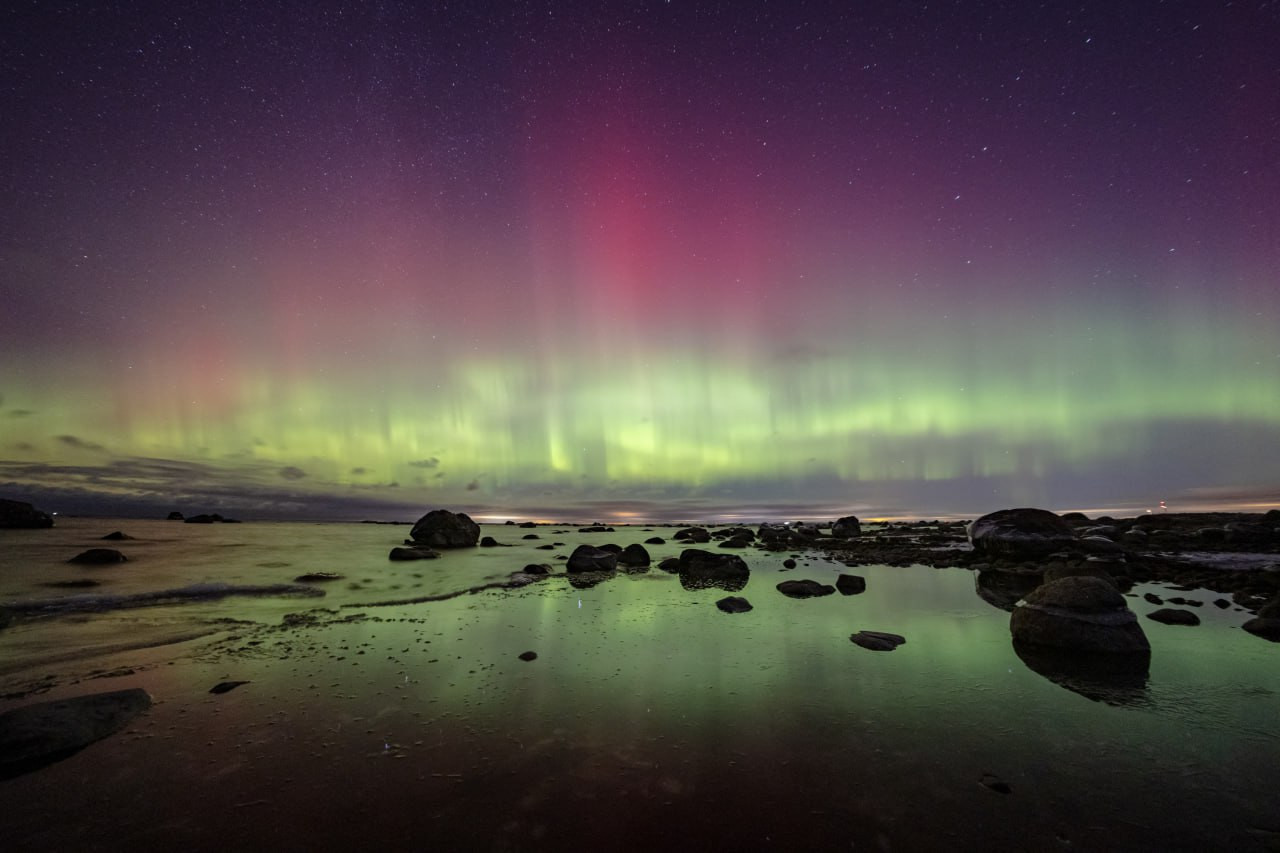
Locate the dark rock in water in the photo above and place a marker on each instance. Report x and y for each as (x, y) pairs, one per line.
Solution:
(697, 535)
(117, 536)
(805, 589)
(1221, 603)
(1152, 598)
(704, 569)
(443, 529)
(847, 528)
(1079, 570)
(1174, 616)
(588, 558)
(173, 516)
(546, 548)
(994, 783)
(415, 553)
(1264, 627)
(634, 555)
(318, 577)
(596, 528)
(78, 583)
(35, 736)
(655, 540)
(1100, 676)
(611, 548)
(16, 515)
(788, 563)
(1024, 532)
(734, 604)
(851, 584)
(1003, 590)
(531, 536)
(736, 542)
(877, 641)
(528, 656)
(536, 569)
(528, 524)
(203, 519)
(488, 542)
(226, 686)
(1081, 614)
(98, 557)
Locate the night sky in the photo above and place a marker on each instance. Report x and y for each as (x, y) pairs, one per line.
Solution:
(675, 259)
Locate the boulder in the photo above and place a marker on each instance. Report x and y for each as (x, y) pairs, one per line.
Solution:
(1084, 614)
(1267, 623)
(536, 569)
(734, 604)
(1020, 533)
(851, 584)
(98, 557)
(117, 536)
(655, 540)
(1174, 616)
(488, 542)
(173, 516)
(19, 514)
(634, 555)
(805, 589)
(443, 529)
(702, 569)
(697, 535)
(412, 553)
(877, 641)
(846, 528)
(34, 736)
(588, 558)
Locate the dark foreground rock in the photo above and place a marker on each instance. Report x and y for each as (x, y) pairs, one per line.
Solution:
(805, 589)
(1267, 623)
(528, 656)
(35, 736)
(22, 515)
(734, 604)
(1080, 614)
(1024, 532)
(1174, 616)
(851, 584)
(225, 686)
(700, 569)
(877, 641)
(588, 558)
(98, 557)
(634, 555)
(443, 529)
(846, 528)
(412, 553)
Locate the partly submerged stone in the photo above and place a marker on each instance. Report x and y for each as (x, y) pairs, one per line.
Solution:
(851, 584)
(634, 555)
(1018, 533)
(1078, 613)
(98, 557)
(34, 736)
(734, 604)
(846, 528)
(700, 569)
(877, 641)
(413, 553)
(1174, 616)
(805, 589)
(443, 529)
(588, 558)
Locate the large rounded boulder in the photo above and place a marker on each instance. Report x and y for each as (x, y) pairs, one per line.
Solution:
(443, 529)
(1084, 614)
(588, 558)
(846, 528)
(1019, 533)
(700, 569)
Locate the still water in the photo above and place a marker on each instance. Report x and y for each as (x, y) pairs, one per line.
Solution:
(649, 719)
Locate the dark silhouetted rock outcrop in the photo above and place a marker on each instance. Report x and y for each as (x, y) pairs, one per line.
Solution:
(701, 569)
(19, 514)
(846, 528)
(37, 735)
(588, 558)
(1020, 533)
(443, 529)
(851, 584)
(805, 589)
(734, 604)
(1174, 616)
(98, 557)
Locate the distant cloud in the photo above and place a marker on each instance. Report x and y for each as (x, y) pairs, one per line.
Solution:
(79, 443)
(431, 462)
(290, 472)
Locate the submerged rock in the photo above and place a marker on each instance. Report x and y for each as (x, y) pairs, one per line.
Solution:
(1024, 532)
(697, 535)
(700, 569)
(851, 584)
(35, 736)
(98, 557)
(226, 686)
(805, 589)
(443, 529)
(1080, 614)
(877, 641)
(734, 604)
(1267, 623)
(528, 656)
(318, 577)
(412, 553)
(22, 515)
(634, 555)
(1174, 616)
(588, 558)
(117, 536)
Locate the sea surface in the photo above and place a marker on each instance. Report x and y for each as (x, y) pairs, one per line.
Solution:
(648, 720)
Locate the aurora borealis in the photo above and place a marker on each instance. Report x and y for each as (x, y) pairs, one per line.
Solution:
(639, 260)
